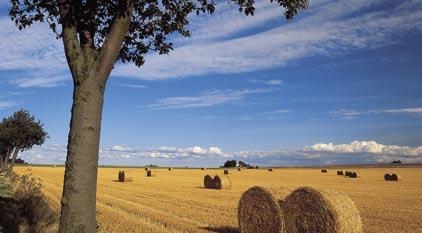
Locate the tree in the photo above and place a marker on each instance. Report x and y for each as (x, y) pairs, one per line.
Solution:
(95, 35)
(6, 144)
(230, 163)
(21, 132)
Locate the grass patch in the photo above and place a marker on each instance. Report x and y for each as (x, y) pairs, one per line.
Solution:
(5, 189)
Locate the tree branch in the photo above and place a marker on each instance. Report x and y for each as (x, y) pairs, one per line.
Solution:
(71, 44)
(114, 40)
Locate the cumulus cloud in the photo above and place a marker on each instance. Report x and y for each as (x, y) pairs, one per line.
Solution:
(357, 152)
(371, 147)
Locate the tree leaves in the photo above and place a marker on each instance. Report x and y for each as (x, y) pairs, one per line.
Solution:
(151, 24)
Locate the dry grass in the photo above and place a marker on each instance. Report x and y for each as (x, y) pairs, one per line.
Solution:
(320, 210)
(176, 202)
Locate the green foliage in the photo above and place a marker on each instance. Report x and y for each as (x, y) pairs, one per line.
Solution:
(5, 189)
(22, 131)
(151, 23)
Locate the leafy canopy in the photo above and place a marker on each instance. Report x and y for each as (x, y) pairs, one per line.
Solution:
(22, 131)
(151, 22)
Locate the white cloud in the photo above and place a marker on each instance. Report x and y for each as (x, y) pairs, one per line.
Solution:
(327, 28)
(273, 82)
(228, 42)
(349, 113)
(6, 104)
(371, 147)
(357, 152)
(131, 85)
(206, 98)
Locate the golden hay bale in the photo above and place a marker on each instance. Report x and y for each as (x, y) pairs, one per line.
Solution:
(259, 210)
(270, 169)
(170, 168)
(324, 170)
(387, 177)
(226, 172)
(393, 177)
(202, 168)
(208, 182)
(121, 176)
(354, 174)
(239, 169)
(339, 173)
(309, 210)
(222, 182)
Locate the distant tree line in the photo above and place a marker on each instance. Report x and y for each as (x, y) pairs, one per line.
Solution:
(18, 132)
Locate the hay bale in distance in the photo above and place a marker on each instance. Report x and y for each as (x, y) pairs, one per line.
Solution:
(392, 177)
(203, 168)
(208, 182)
(270, 169)
(339, 173)
(324, 170)
(226, 172)
(149, 173)
(309, 210)
(259, 210)
(239, 169)
(354, 175)
(222, 182)
(121, 176)
(146, 169)
(170, 168)
(395, 177)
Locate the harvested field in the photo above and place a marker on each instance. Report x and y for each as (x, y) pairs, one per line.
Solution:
(177, 201)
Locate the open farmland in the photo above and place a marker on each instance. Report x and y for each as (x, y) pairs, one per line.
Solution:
(175, 201)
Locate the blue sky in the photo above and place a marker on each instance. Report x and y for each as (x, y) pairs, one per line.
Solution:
(338, 84)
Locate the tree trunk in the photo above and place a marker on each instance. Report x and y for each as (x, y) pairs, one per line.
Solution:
(6, 159)
(15, 155)
(1, 163)
(80, 179)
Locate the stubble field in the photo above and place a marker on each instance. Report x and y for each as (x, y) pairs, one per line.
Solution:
(175, 201)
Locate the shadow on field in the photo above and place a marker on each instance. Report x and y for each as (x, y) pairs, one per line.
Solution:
(222, 229)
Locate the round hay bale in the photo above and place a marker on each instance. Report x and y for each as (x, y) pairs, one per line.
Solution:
(149, 173)
(348, 173)
(339, 173)
(324, 170)
(270, 169)
(395, 177)
(309, 210)
(239, 169)
(208, 182)
(226, 172)
(202, 168)
(222, 182)
(170, 168)
(121, 176)
(259, 210)
(354, 175)
(387, 177)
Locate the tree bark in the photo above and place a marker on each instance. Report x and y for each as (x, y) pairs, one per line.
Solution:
(1, 162)
(80, 180)
(6, 159)
(15, 155)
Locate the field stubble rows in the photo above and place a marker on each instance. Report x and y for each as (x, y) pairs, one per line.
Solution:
(175, 201)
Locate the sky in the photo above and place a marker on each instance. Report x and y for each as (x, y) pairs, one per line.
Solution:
(339, 84)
